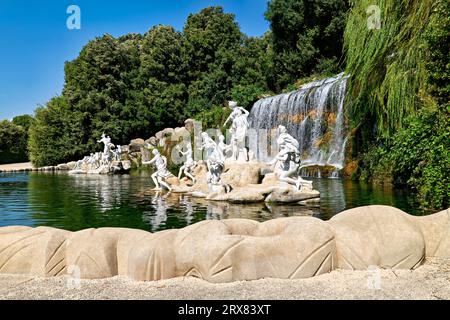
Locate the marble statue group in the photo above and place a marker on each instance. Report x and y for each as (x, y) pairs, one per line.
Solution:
(217, 154)
(108, 161)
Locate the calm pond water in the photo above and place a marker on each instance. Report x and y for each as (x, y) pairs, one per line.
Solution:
(78, 202)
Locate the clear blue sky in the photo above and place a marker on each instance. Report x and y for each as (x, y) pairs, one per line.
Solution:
(36, 41)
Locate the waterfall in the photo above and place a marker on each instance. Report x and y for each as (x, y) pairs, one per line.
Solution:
(314, 115)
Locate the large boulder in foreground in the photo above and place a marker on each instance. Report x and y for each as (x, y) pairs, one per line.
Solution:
(236, 250)
(38, 252)
(378, 236)
(231, 250)
(436, 231)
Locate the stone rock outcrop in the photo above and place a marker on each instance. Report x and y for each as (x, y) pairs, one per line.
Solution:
(250, 182)
(241, 174)
(248, 194)
(283, 194)
(232, 250)
(152, 141)
(136, 145)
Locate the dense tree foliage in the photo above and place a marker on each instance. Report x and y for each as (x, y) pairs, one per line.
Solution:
(136, 85)
(14, 139)
(417, 154)
(102, 91)
(163, 78)
(306, 37)
(437, 38)
(56, 134)
(416, 157)
(386, 63)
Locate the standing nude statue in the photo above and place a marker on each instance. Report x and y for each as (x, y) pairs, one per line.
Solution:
(188, 165)
(238, 130)
(161, 174)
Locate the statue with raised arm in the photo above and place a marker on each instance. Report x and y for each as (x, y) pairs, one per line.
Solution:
(161, 174)
(106, 140)
(107, 162)
(238, 131)
(189, 164)
(287, 161)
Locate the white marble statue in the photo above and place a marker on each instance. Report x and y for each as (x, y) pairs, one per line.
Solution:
(110, 152)
(117, 153)
(189, 165)
(108, 161)
(106, 140)
(161, 174)
(215, 161)
(238, 131)
(223, 147)
(92, 160)
(287, 161)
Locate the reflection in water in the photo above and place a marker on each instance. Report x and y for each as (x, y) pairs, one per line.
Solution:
(255, 211)
(158, 215)
(108, 190)
(81, 201)
(332, 193)
(188, 208)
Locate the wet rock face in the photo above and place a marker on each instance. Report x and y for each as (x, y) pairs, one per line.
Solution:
(232, 250)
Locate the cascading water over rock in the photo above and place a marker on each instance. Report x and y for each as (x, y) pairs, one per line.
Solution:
(314, 115)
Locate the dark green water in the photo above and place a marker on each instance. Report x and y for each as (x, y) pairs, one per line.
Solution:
(79, 202)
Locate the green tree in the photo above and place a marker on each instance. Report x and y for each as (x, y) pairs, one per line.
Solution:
(163, 73)
(437, 37)
(252, 71)
(103, 85)
(25, 121)
(386, 65)
(306, 38)
(13, 142)
(56, 135)
(416, 153)
(212, 41)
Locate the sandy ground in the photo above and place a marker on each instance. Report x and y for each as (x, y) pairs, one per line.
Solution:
(16, 166)
(431, 281)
